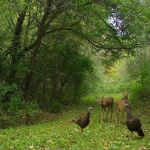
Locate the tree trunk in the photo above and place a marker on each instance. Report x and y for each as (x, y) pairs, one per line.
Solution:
(40, 36)
(15, 55)
(16, 46)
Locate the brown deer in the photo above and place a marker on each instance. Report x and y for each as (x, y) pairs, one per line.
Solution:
(106, 102)
(120, 106)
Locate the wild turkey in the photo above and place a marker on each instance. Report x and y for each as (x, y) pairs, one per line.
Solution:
(83, 121)
(133, 123)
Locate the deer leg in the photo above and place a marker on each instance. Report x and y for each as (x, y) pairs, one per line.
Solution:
(107, 112)
(122, 116)
(111, 113)
(117, 115)
(103, 114)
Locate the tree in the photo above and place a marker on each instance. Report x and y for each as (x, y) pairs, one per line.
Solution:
(138, 70)
(40, 31)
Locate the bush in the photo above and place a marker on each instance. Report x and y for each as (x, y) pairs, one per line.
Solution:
(19, 113)
(139, 69)
(56, 107)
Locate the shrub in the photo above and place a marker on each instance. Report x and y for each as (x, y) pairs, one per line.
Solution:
(56, 107)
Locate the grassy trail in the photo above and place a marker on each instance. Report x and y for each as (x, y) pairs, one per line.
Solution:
(61, 134)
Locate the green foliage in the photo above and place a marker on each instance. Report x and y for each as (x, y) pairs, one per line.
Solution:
(19, 112)
(16, 105)
(129, 74)
(4, 88)
(138, 68)
(55, 107)
(32, 108)
(67, 71)
(111, 79)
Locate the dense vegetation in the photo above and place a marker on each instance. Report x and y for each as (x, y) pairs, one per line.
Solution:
(54, 53)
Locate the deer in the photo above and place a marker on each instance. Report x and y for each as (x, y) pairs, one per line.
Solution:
(106, 102)
(120, 106)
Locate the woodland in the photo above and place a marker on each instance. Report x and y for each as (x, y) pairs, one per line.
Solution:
(57, 56)
(53, 53)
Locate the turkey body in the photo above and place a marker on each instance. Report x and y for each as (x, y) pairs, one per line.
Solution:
(133, 123)
(83, 121)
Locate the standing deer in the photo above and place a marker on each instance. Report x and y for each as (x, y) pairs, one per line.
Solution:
(106, 102)
(120, 106)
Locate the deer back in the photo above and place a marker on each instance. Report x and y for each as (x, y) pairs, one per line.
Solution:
(120, 104)
(106, 102)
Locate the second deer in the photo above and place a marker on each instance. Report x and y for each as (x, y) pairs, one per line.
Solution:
(120, 106)
(106, 103)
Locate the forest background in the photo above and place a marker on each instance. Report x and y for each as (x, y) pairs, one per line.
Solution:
(54, 53)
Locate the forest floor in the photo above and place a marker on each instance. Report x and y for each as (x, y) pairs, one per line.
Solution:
(57, 132)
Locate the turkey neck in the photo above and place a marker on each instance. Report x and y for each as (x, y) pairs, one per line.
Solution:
(129, 115)
(88, 113)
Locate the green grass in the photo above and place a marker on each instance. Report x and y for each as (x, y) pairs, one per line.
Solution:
(59, 133)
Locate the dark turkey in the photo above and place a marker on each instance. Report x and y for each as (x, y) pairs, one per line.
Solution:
(83, 121)
(133, 123)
